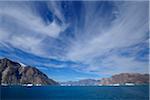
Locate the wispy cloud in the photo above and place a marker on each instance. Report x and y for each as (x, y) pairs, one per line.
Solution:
(93, 37)
(129, 28)
(126, 30)
(24, 28)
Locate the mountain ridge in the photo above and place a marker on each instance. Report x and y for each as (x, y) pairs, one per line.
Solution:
(12, 73)
(120, 79)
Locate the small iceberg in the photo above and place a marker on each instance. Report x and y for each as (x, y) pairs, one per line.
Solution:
(129, 84)
(28, 85)
(115, 84)
(38, 84)
(4, 84)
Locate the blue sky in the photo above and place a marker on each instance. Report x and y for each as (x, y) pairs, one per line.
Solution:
(76, 40)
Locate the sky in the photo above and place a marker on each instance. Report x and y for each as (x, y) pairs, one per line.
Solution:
(73, 40)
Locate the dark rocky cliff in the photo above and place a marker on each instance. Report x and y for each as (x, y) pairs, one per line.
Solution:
(13, 73)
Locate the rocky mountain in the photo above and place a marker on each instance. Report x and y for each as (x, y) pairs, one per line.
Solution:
(123, 78)
(13, 73)
(84, 82)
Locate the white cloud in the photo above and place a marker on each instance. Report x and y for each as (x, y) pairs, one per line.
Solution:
(22, 27)
(118, 64)
(55, 8)
(28, 18)
(128, 29)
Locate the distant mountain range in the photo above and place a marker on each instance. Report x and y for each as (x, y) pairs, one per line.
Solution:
(120, 79)
(135, 78)
(12, 73)
(84, 82)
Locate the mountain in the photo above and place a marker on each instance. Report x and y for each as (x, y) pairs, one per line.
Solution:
(84, 82)
(124, 78)
(13, 73)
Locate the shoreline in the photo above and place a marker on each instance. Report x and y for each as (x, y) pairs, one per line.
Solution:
(76, 85)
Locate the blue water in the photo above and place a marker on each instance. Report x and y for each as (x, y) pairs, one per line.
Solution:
(75, 93)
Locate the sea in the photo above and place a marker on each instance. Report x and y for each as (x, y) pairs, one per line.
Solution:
(75, 93)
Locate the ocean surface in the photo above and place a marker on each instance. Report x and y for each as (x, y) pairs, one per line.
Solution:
(75, 93)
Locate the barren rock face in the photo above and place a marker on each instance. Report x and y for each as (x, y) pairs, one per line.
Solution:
(123, 78)
(13, 73)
